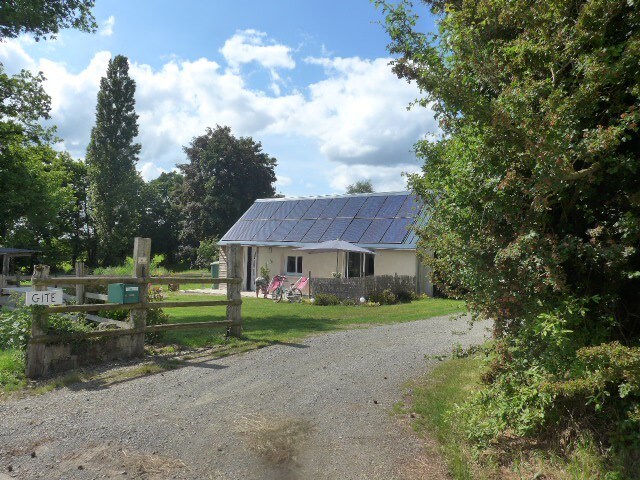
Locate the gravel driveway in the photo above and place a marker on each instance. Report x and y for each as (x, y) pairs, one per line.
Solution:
(320, 409)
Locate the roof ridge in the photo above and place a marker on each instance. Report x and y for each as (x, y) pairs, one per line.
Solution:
(341, 195)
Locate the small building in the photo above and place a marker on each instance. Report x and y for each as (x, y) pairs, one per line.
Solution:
(272, 229)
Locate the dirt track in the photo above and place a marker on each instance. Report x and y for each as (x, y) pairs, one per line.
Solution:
(315, 410)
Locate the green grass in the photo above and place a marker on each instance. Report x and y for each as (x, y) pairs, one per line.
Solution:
(449, 383)
(12, 370)
(265, 322)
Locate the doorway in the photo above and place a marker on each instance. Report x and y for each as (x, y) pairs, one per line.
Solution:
(249, 285)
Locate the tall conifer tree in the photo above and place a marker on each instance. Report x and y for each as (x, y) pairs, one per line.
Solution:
(112, 154)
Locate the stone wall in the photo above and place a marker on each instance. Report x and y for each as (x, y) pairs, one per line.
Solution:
(362, 287)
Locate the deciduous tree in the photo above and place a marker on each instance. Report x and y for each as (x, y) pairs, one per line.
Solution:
(224, 176)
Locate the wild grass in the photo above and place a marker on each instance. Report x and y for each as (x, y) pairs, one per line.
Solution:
(433, 400)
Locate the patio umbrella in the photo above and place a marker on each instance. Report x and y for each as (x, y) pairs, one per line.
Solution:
(334, 246)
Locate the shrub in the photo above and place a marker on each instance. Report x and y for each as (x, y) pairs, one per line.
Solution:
(386, 297)
(324, 299)
(349, 302)
(15, 327)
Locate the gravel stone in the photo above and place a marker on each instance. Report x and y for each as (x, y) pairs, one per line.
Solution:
(320, 409)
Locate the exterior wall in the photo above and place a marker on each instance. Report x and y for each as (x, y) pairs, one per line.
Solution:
(322, 265)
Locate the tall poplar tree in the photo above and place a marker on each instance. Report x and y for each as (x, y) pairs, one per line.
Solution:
(112, 154)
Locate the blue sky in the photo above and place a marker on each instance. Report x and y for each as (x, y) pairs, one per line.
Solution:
(310, 80)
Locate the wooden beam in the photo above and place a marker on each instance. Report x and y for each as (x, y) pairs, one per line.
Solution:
(80, 292)
(164, 280)
(108, 307)
(126, 331)
(96, 296)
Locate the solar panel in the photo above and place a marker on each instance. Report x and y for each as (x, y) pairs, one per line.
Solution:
(254, 211)
(267, 229)
(240, 230)
(317, 208)
(391, 206)
(316, 230)
(251, 229)
(331, 211)
(284, 209)
(299, 230)
(279, 234)
(351, 207)
(371, 207)
(397, 231)
(269, 209)
(409, 208)
(376, 230)
(356, 229)
(336, 229)
(299, 209)
(232, 234)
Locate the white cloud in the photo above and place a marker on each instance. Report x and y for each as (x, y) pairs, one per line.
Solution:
(356, 115)
(107, 27)
(283, 181)
(149, 171)
(247, 46)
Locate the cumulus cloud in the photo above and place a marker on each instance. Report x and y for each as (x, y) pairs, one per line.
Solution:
(355, 115)
(107, 27)
(247, 46)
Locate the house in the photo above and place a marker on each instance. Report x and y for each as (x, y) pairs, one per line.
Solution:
(272, 229)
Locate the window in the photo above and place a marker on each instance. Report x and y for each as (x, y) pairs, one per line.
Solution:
(294, 264)
(359, 265)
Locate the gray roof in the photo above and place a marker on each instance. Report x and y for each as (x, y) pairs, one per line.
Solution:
(378, 220)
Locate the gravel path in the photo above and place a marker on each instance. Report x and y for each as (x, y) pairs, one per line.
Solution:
(315, 410)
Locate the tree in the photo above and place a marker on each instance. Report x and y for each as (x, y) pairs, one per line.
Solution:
(112, 155)
(161, 216)
(361, 186)
(224, 176)
(533, 187)
(43, 18)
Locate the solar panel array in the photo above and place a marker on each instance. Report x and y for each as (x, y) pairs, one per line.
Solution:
(359, 219)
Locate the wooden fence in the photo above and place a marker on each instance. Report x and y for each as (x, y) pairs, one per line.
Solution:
(47, 353)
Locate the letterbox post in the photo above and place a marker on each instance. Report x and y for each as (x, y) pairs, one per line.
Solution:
(141, 264)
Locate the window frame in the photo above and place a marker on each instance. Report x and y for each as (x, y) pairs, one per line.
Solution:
(297, 262)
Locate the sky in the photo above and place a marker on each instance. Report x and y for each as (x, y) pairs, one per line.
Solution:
(311, 81)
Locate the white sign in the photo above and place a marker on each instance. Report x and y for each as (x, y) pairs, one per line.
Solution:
(44, 297)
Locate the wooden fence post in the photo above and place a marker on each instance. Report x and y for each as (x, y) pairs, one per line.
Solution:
(5, 271)
(80, 288)
(36, 352)
(141, 265)
(234, 270)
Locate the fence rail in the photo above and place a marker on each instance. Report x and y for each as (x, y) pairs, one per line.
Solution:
(46, 352)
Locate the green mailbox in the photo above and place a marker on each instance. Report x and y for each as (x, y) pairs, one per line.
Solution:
(215, 272)
(123, 293)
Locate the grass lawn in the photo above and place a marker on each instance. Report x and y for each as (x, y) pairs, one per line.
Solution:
(265, 322)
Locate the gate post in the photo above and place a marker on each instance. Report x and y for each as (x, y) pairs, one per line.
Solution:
(234, 270)
(141, 265)
(79, 288)
(39, 318)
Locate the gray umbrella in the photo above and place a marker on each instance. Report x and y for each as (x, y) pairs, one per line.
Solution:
(334, 246)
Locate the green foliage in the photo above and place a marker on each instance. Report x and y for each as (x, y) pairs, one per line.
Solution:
(385, 297)
(361, 186)
(127, 268)
(223, 177)
(114, 184)
(324, 299)
(12, 369)
(532, 187)
(208, 251)
(15, 327)
(45, 18)
(265, 271)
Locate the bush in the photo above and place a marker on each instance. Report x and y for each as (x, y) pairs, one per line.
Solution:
(126, 269)
(325, 299)
(386, 297)
(15, 327)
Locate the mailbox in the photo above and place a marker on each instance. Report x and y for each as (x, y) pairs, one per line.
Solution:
(123, 293)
